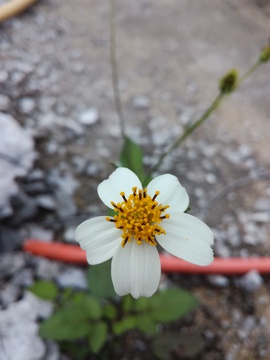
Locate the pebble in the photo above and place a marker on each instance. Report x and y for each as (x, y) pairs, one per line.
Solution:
(4, 102)
(37, 232)
(211, 178)
(141, 102)
(24, 206)
(218, 280)
(89, 116)
(262, 204)
(10, 263)
(9, 239)
(27, 105)
(261, 217)
(46, 269)
(251, 281)
(23, 278)
(69, 234)
(72, 277)
(46, 202)
(92, 169)
(3, 76)
(9, 294)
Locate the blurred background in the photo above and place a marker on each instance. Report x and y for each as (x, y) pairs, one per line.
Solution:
(59, 132)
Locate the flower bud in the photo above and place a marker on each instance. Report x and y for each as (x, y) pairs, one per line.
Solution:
(228, 83)
(265, 54)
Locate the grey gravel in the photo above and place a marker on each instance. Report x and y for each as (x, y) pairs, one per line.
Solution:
(27, 105)
(46, 202)
(251, 281)
(4, 102)
(141, 102)
(218, 280)
(72, 277)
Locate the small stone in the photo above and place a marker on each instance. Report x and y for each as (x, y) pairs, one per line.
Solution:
(27, 105)
(10, 263)
(72, 277)
(52, 352)
(34, 188)
(92, 169)
(251, 281)
(262, 204)
(79, 163)
(65, 204)
(23, 278)
(218, 280)
(46, 269)
(89, 116)
(9, 239)
(9, 294)
(69, 234)
(4, 102)
(211, 178)
(141, 102)
(3, 76)
(261, 217)
(35, 175)
(46, 202)
(38, 232)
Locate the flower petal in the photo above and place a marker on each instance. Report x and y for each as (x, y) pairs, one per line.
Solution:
(136, 269)
(171, 192)
(122, 179)
(188, 238)
(99, 238)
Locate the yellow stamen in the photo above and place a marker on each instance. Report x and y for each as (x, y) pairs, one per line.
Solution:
(139, 216)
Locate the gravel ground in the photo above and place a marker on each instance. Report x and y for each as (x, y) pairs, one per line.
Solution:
(59, 132)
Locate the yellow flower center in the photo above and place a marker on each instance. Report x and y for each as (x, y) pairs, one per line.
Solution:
(139, 216)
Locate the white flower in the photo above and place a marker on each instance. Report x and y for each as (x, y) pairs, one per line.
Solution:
(142, 218)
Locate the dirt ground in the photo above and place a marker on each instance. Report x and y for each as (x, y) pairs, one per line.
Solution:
(173, 53)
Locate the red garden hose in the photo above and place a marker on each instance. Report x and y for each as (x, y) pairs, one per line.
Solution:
(227, 266)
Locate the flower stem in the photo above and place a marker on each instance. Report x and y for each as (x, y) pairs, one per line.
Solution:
(215, 104)
(114, 69)
(189, 131)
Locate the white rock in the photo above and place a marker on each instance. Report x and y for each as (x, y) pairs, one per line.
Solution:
(27, 105)
(20, 329)
(4, 102)
(251, 281)
(89, 116)
(141, 102)
(261, 217)
(72, 278)
(16, 155)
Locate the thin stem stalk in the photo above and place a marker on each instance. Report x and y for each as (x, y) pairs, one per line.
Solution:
(215, 104)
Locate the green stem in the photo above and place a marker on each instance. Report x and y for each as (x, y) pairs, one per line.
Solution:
(115, 83)
(249, 72)
(215, 104)
(188, 131)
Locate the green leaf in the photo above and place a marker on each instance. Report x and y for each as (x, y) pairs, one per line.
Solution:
(167, 305)
(66, 324)
(109, 311)
(131, 156)
(97, 335)
(44, 289)
(99, 280)
(126, 324)
(89, 304)
(141, 322)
